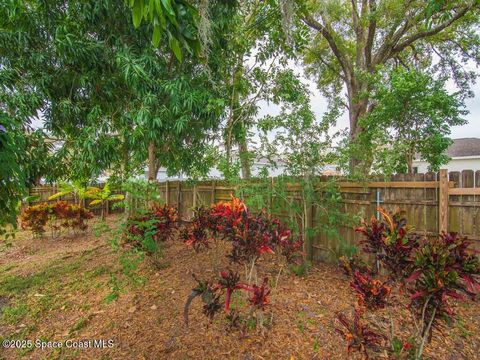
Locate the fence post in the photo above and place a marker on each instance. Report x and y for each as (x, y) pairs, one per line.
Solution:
(179, 199)
(213, 191)
(443, 201)
(167, 192)
(194, 204)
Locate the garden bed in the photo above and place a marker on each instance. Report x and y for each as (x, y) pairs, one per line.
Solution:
(59, 289)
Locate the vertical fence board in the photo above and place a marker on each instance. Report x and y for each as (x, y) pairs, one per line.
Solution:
(467, 211)
(431, 225)
(443, 201)
(454, 212)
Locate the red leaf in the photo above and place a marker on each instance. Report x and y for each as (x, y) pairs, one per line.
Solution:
(414, 276)
(417, 295)
(455, 295)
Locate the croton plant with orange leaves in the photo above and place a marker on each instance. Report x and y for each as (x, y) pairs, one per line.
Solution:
(443, 269)
(251, 235)
(358, 335)
(391, 241)
(58, 215)
(371, 293)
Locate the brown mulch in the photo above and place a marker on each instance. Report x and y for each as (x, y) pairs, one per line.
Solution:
(146, 321)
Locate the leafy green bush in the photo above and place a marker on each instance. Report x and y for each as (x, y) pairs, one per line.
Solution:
(147, 230)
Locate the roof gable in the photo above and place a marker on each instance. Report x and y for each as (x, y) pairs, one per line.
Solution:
(464, 147)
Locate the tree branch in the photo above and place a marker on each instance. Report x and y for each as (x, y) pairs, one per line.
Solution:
(372, 27)
(314, 24)
(331, 68)
(394, 36)
(355, 15)
(435, 30)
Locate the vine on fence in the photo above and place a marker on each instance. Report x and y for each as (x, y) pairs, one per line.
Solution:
(278, 197)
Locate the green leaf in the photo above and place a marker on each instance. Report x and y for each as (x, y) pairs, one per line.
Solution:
(156, 36)
(167, 4)
(116, 197)
(196, 46)
(95, 202)
(137, 13)
(31, 198)
(175, 46)
(59, 194)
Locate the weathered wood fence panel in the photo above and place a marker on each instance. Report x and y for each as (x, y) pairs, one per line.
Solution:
(433, 202)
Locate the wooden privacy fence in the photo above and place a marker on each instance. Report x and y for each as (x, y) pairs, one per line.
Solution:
(433, 202)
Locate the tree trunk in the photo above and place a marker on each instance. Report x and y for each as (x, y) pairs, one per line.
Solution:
(356, 110)
(244, 160)
(409, 164)
(152, 164)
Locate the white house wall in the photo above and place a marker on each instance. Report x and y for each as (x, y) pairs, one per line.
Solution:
(456, 164)
(215, 174)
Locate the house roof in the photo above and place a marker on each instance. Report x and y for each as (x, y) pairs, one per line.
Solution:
(464, 147)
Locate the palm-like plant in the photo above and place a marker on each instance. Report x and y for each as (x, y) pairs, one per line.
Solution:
(101, 196)
(75, 188)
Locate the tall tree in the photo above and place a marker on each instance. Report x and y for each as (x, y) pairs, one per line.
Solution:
(295, 136)
(104, 90)
(352, 42)
(12, 173)
(101, 89)
(412, 116)
(257, 62)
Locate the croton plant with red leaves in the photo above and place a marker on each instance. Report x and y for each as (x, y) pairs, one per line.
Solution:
(371, 293)
(260, 294)
(445, 269)
(436, 274)
(392, 242)
(230, 211)
(163, 219)
(166, 221)
(358, 335)
(201, 227)
(349, 265)
(230, 282)
(227, 283)
(251, 235)
(210, 299)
